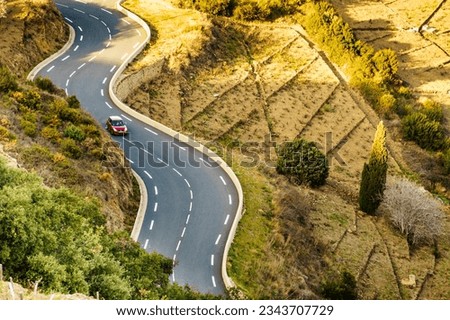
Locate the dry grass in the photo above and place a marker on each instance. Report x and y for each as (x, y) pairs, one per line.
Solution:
(242, 82)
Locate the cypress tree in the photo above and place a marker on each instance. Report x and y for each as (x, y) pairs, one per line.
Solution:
(373, 179)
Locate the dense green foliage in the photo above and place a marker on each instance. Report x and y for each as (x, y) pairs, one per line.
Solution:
(343, 288)
(362, 62)
(423, 125)
(373, 179)
(244, 9)
(58, 238)
(303, 161)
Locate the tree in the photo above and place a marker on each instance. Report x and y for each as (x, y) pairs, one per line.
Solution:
(303, 161)
(413, 211)
(373, 179)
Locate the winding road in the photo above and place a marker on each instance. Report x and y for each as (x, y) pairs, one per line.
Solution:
(192, 202)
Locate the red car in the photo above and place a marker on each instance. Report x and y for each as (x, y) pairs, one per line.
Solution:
(116, 126)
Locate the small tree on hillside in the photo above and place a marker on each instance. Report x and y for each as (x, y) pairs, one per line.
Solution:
(413, 211)
(374, 173)
(302, 160)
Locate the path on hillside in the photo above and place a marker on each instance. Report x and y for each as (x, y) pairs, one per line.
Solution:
(192, 202)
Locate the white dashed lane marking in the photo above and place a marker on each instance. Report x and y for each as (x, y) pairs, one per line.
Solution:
(72, 74)
(146, 244)
(230, 200)
(95, 17)
(79, 28)
(104, 23)
(81, 38)
(113, 68)
(223, 180)
(126, 117)
(81, 66)
(187, 182)
(187, 219)
(65, 58)
(148, 174)
(212, 259)
(182, 233)
(218, 239)
(76, 48)
(151, 225)
(151, 131)
(109, 106)
(67, 83)
(80, 11)
(156, 190)
(107, 11)
(68, 20)
(50, 69)
(124, 20)
(177, 172)
(190, 207)
(104, 80)
(213, 281)
(178, 245)
(102, 92)
(155, 208)
(227, 218)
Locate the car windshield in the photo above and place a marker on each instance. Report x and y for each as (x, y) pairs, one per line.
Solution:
(117, 123)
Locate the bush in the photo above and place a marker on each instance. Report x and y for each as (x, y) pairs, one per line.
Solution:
(343, 288)
(30, 99)
(426, 132)
(70, 148)
(433, 110)
(51, 133)
(73, 102)
(45, 84)
(75, 133)
(7, 81)
(29, 128)
(413, 211)
(303, 161)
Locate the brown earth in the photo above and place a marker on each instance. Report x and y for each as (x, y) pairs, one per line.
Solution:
(244, 86)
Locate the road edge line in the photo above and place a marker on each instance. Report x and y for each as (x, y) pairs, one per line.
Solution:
(183, 138)
(142, 207)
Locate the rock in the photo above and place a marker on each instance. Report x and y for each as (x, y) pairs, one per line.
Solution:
(409, 282)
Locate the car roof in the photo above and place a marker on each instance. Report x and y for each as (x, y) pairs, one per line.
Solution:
(115, 118)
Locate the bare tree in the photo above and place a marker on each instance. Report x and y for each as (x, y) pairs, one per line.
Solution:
(413, 210)
(3, 10)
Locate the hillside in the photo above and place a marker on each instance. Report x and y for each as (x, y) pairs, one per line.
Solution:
(244, 87)
(32, 31)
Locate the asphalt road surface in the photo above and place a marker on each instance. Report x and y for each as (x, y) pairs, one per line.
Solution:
(191, 200)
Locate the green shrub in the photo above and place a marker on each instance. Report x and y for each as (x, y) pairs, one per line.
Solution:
(302, 161)
(432, 110)
(70, 115)
(343, 288)
(51, 133)
(45, 84)
(28, 127)
(31, 99)
(6, 135)
(427, 133)
(386, 104)
(73, 102)
(7, 81)
(70, 148)
(75, 133)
